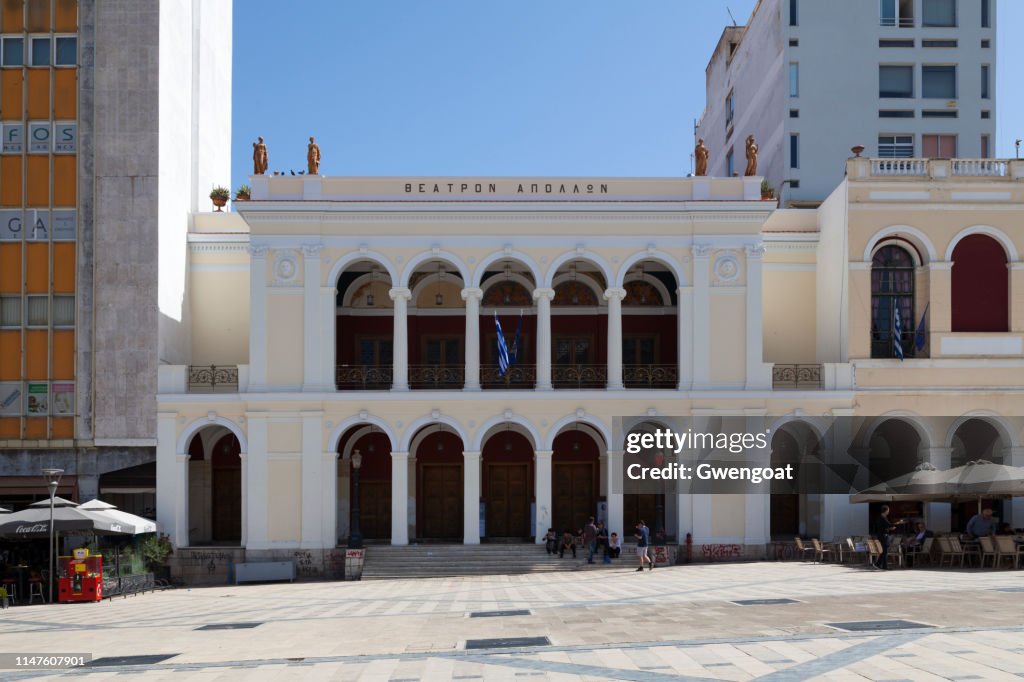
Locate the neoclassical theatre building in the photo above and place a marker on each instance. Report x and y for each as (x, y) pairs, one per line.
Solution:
(331, 316)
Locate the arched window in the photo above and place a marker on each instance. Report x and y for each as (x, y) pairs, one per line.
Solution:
(980, 285)
(892, 289)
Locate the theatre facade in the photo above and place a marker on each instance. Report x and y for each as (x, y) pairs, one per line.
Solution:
(355, 321)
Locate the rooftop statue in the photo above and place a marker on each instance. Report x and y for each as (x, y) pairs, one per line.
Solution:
(751, 156)
(700, 153)
(313, 156)
(260, 158)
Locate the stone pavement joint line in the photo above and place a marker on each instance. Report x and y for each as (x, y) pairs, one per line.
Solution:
(841, 659)
(582, 669)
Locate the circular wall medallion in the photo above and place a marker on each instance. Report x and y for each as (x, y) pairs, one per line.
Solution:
(727, 268)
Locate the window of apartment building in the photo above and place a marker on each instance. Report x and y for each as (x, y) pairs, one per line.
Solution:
(986, 43)
(13, 51)
(986, 147)
(10, 311)
(794, 79)
(895, 113)
(730, 164)
(986, 13)
(897, 13)
(895, 42)
(985, 82)
(938, 146)
(895, 81)
(730, 108)
(794, 150)
(892, 288)
(938, 13)
(794, 113)
(793, 15)
(940, 113)
(939, 43)
(37, 309)
(65, 51)
(938, 82)
(63, 311)
(40, 51)
(986, 114)
(895, 146)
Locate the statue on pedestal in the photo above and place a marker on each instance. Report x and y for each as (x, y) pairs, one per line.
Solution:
(751, 156)
(700, 154)
(313, 157)
(260, 158)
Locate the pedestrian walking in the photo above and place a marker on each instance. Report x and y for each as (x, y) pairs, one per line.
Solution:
(590, 539)
(643, 538)
(883, 528)
(602, 542)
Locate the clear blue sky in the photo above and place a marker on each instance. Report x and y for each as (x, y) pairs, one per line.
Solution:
(469, 87)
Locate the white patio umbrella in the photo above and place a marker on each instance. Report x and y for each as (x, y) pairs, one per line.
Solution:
(924, 483)
(982, 479)
(34, 522)
(129, 523)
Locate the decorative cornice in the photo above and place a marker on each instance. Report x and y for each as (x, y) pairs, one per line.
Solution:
(218, 247)
(757, 216)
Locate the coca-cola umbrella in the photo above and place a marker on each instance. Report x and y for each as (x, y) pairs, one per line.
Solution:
(130, 523)
(34, 521)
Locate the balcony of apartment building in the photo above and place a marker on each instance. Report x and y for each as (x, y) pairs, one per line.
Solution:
(508, 332)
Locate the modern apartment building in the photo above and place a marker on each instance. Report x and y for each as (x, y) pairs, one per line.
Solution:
(811, 79)
(115, 117)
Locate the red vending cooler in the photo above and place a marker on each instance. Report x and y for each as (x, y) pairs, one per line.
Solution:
(81, 577)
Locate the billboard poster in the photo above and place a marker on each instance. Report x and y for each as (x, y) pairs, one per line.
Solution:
(63, 396)
(10, 399)
(38, 399)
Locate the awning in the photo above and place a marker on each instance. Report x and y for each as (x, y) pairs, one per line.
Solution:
(136, 479)
(36, 485)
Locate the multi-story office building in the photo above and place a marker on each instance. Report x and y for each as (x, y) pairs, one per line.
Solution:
(115, 121)
(351, 322)
(811, 79)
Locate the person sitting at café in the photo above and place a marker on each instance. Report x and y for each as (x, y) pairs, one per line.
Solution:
(920, 533)
(981, 525)
(614, 546)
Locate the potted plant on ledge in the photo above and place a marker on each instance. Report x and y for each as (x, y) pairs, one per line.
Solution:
(243, 193)
(220, 196)
(767, 191)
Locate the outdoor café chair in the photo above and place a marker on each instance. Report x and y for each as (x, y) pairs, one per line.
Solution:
(987, 549)
(820, 550)
(896, 549)
(948, 551)
(802, 549)
(1006, 547)
(874, 549)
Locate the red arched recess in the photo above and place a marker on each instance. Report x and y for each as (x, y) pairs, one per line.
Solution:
(980, 286)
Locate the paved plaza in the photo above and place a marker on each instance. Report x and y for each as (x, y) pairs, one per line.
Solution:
(673, 623)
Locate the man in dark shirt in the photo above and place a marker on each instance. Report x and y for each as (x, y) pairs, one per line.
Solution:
(883, 527)
(590, 539)
(643, 536)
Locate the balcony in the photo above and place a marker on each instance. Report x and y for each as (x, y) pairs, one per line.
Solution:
(796, 378)
(436, 377)
(859, 168)
(363, 378)
(517, 377)
(650, 376)
(213, 378)
(579, 376)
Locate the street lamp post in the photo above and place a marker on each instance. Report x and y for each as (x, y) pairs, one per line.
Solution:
(52, 481)
(355, 537)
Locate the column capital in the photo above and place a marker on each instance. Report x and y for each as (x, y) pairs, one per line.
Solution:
(754, 251)
(400, 292)
(614, 453)
(543, 454)
(331, 455)
(939, 266)
(399, 455)
(472, 455)
(182, 458)
(472, 292)
(685, 291)
(543, 292)
(312, 251)
(702, 250)
(615, 293)
(258, 250)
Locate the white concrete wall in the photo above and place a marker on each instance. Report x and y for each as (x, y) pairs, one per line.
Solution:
(832, 278)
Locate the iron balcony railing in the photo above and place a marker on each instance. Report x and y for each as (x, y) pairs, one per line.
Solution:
(796, 377)
(363, 377)
(882, 346)
(436, 376)
(212, 378)
(579, 376)
(650, 376)
(517, 376)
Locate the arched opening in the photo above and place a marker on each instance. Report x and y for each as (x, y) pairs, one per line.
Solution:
(981, 286)
(650, 327)
(507, 486)
(575, 479)
(892, 302)
(973, 440)
(645, 501)
(364, 330)
(374, 482)
(436, 327)
(215, 488)
(579, 326)
(893, 452)
(508, 287)
(793, 512)
(439, 484)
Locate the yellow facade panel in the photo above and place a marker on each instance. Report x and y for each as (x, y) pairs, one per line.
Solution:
(62, 427)
(64, 355)
(38, 186)
(35, 428)
(10, 268)
(10, 355)
(10, 181)
(66, 18)
(11, 100)
(63, 268)
(37, 353)
(38, 16)
(39, 93)
(13, 18)
(37, 267)
(65, 178)
(65, 94)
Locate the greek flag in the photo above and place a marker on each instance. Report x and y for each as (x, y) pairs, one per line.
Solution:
(897, 333)
(502, 348)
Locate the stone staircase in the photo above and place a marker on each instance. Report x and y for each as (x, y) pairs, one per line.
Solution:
(433, 561)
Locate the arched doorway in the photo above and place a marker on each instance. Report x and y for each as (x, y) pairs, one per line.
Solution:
(215, 488)
(507, 486)
(894, 448)
(436, 327)
(795, 512)
(374, 449)
(364, 328)
(439, 485)
(579, 326)
(575, 479)
(508, 296)
(649, 327)
(973, 440)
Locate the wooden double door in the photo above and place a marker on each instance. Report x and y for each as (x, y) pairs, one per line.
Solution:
(439, 502)
(507, 500)
(640, 507)
(226, 521)
(375, 509)
(572, 495)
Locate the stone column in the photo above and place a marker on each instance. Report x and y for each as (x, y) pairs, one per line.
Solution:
(328, 347)
(411, 514)
(614, 297)
(181, 508)
(542, 492)
(245, 496)
(700, 329)
(312, 332)
(256, 484)
(257, 318)
(329, 499)
(399, 498)
(312, 476)
(684, 318)
(400, 343)
(615, 495)
(758, 376)
(471, 498)
(472, 298)
(938, 514)
(1016, 296)
(167, 492)
(543, 298)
